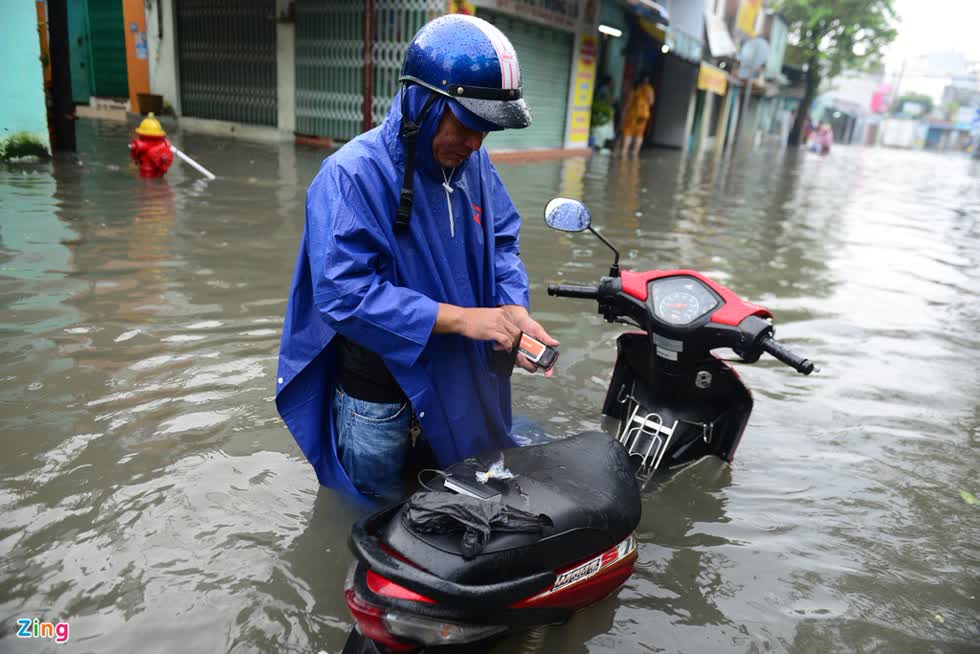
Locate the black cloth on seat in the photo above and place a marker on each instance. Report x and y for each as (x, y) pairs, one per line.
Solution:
(475, 519)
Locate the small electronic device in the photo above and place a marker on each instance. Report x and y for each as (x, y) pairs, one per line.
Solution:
(538, 353)
(472, 488)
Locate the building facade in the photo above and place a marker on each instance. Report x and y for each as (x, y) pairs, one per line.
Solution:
(23, 123)
(329, 70)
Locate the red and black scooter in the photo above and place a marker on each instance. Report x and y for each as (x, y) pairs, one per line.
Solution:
(467, 560)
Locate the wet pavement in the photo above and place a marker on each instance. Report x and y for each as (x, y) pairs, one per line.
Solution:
(152, 498)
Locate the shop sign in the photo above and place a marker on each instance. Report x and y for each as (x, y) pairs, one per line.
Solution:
(748, 10)
(578, 132)
(712, 79)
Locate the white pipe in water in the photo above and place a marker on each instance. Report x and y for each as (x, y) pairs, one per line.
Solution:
(198, 167)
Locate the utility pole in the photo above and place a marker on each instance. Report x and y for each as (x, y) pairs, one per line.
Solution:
(743, 113)
(898, 84)
(752, 57)
(62, 115)
(367, 113)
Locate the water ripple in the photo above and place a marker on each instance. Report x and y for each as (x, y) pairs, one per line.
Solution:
(152, 496)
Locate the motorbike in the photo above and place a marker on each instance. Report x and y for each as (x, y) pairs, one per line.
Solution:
(477, 555)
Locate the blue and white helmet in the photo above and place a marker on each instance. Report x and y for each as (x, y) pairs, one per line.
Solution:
(470, 61)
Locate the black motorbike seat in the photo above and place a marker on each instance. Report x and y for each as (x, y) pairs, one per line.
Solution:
(584, 484)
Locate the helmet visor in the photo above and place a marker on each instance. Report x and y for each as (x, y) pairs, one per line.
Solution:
(469, 119)
(495, 114)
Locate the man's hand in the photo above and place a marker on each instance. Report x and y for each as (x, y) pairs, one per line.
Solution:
(494, 325)
(520, 317)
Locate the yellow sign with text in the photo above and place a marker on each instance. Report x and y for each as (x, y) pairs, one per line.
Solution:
(713, 80)
(585, 71)
(584, 80)
(748, 11)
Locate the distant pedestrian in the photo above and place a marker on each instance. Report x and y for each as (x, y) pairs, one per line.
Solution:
(825, 137)
(639, 108)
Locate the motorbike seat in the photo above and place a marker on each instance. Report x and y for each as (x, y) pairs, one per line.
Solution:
(584, 484)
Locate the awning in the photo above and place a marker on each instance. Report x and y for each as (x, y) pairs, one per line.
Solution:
(649, 10)
(719, 40)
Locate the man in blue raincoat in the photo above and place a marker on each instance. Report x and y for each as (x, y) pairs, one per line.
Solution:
(408, 284)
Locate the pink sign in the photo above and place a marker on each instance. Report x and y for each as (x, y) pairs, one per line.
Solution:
(879, 99)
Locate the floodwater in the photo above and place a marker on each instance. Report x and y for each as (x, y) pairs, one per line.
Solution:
(151, 497)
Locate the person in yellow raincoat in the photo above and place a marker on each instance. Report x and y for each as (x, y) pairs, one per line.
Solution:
(639, 107)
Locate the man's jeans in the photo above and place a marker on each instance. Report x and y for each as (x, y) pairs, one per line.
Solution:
(373, 440)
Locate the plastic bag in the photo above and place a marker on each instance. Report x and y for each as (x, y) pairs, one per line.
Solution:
(448, 513)
(496, 471)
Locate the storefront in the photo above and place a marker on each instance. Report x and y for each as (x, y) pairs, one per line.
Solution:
(546, 61)
(664, 43)
(333, 82)
(330, 70)
(714, 99)
(712, 86)
(678, 78)
(226, 55)
(557, 47)
(332, 87)
(614, 35)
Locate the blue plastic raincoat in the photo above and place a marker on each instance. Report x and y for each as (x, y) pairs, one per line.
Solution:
(356, 277)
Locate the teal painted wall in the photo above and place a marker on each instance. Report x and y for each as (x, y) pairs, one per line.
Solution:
(21, 77)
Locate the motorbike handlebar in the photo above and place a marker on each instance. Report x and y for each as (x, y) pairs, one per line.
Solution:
(574, 290)
(787, 356)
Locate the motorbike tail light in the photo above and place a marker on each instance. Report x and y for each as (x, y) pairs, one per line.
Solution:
(370, 622)
(392, 628)
(378, 584)
(434, 632)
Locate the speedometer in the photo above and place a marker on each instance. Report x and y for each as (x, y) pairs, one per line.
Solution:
(678, 308)
(681, 300)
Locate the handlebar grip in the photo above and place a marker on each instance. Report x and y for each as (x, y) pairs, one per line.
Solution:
(787, 356)
(573, 290)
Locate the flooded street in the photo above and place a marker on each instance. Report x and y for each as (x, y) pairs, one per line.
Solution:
(152, 498)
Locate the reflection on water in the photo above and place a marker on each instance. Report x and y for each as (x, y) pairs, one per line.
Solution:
(152, 498)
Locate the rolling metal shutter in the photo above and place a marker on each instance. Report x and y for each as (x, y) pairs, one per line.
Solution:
(329, 67)
(546, 62)
(227, 55)
(330, 60)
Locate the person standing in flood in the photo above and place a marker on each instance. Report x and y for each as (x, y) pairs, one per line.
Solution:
(825, 138)
(408, 283)
(639, 108)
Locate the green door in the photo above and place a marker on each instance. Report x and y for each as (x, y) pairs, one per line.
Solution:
(108, 48)
(546, 63)
(78, 49)
(227, 60)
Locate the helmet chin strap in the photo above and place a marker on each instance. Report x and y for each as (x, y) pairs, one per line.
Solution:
(409, 133)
